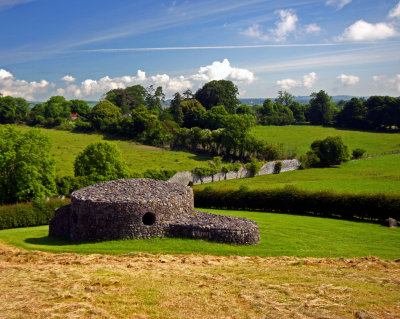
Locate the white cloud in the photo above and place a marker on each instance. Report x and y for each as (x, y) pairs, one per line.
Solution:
(312, 28)
(364, 31)
(348, 79)
(4, 4)
(387, 82)
(309, 79)
(68, 78)
(338, 3)
(223, 71)
(307, 82)
(288, 84)
(94, 89)
(395, 12)
(284, 27)
(9, 85)
(255, 31)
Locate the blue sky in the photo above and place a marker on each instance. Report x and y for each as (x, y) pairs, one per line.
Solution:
(82, 49)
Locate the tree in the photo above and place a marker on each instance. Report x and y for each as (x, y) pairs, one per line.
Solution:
(220, 92)
(154, 98)
(321, 110)
(330, 151)
(101, 161)
(104, 115)
(175, 108)
(80, 107)
(353, 114)
(127, 99)
(27, 170)
(285, 98)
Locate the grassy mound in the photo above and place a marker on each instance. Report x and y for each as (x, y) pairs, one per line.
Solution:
(281, 235)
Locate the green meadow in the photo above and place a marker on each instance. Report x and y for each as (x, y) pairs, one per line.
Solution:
(67, 145)
(281, 235)
(371, 175)
(301, 137)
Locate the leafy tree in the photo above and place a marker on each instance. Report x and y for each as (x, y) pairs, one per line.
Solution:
(27, 170)
(175, 108)
(154, 98)
(104, 115)
(127, 99)
(275, 114)
(80, 107)
(244, 109)
(299, 111)
(330, 151)
(321, 110)
(188, 95)
(354, 114)
(101, 161)
(193, 112)
(220, 92)
(13, 110)
(57, 106)
(284, 98)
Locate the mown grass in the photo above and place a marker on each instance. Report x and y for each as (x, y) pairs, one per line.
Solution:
(372, 175)
(301, 137)
(67, 145)
(281, 235)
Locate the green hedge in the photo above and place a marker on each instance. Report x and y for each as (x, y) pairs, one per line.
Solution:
(295, 201)
(29, 214)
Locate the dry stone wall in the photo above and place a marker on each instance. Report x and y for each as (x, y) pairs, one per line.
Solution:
(187, 177)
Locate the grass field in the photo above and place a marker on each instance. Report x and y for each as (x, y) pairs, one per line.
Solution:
(301, 137)
(43, 285)
(281, 235)
(67, 145)
(372, 175)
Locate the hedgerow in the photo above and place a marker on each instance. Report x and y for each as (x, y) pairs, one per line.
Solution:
(375, 207)
(29, 214)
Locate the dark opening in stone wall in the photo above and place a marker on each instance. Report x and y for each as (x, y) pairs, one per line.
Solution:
(149, 219)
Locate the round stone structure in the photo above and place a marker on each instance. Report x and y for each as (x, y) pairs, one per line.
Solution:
(145, 208)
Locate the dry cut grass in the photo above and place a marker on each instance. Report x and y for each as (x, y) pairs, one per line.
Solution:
(45, 285)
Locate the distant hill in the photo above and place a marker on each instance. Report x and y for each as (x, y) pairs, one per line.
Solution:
(299, 99)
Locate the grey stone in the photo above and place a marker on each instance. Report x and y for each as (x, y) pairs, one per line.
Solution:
(144, 208)
(390, 222)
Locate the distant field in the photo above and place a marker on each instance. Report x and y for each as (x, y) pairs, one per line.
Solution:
(373, 175)
(301, 137)
(281, 235)
(67, 145)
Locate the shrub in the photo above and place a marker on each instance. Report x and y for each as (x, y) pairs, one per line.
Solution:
(162, 174)
(294, 201)
(203, 171)
(330, 151)
(254, 166)
(277, 167)
(358, 153)
(29, 214)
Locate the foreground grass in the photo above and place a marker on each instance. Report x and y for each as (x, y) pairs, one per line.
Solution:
(67, 145)
(43, 285)
(281, 235)
(301, 137)
(373, 175)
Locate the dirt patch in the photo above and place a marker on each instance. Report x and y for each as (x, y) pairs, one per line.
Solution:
(154, 148)
(45, 285)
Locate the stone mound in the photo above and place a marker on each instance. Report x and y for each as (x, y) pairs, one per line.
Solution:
(144, 208)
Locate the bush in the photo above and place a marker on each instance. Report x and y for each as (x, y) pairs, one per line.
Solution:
(254, 166)
(375, 207)
(330, 151)
(29, 214)
(277, 167)
(358, 153)
(203, 171)
(162, 174)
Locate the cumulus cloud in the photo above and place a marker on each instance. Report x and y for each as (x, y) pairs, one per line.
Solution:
(387, 82)
(9, 85)
(223, 71)
(348, 80)
(395, 12)
(286, 25)
(68, 78)
(312, 28)
(338, 3)
(307, 81)
(95, 88)
(364, 31)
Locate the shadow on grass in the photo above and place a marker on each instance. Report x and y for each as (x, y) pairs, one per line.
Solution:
(52, 241)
